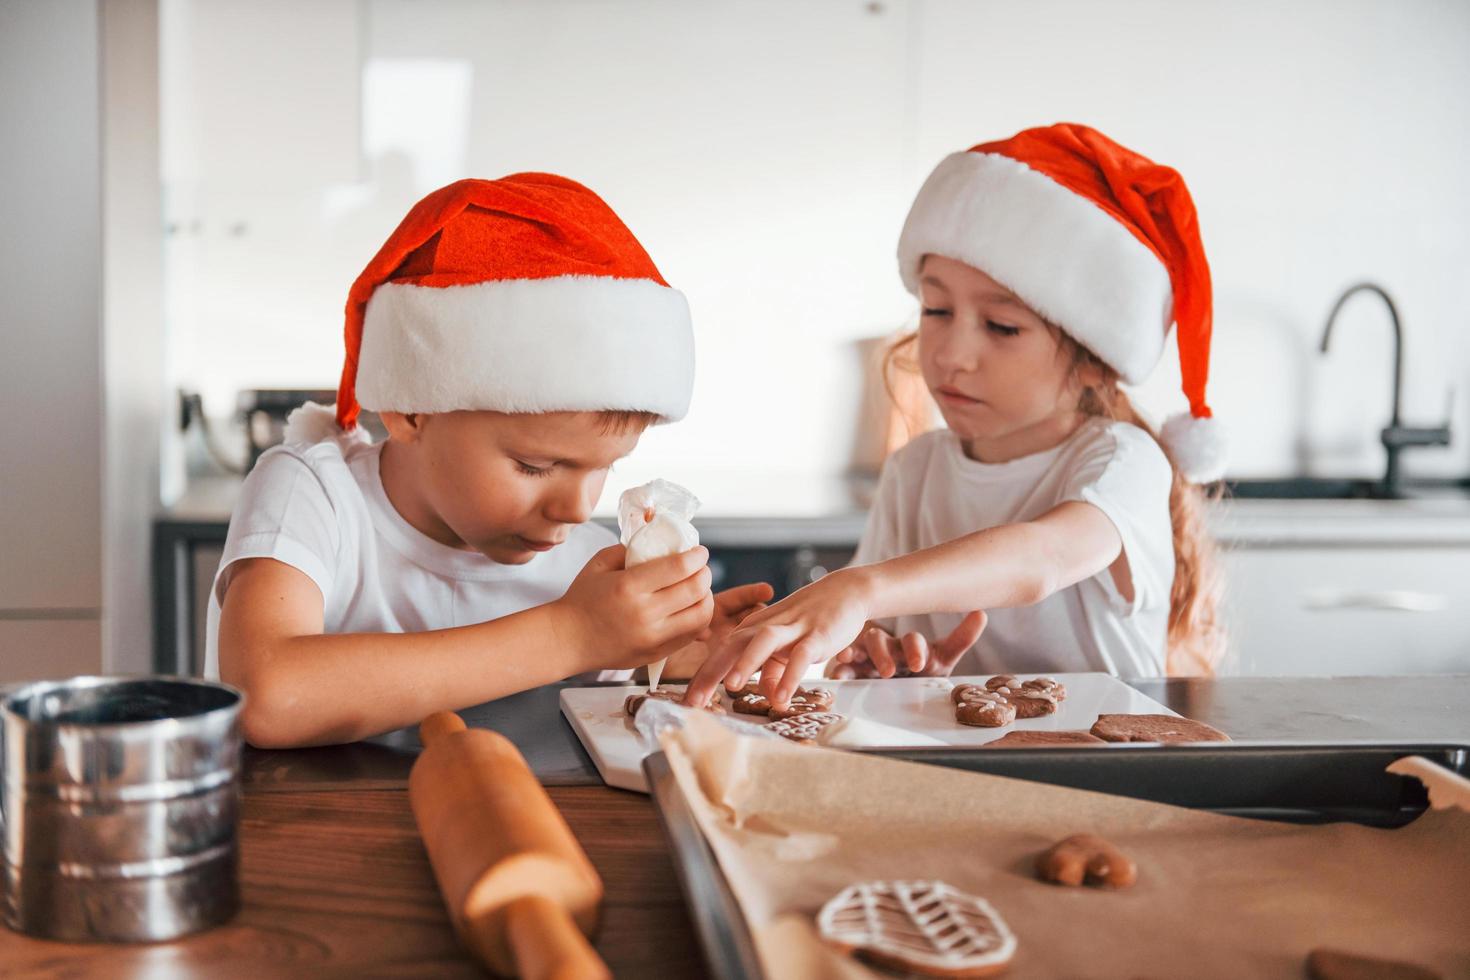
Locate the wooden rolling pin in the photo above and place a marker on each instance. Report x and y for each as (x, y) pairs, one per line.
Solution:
(519, 888)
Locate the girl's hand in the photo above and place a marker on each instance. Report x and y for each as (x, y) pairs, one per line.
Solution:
(806, 627)
(878, 653)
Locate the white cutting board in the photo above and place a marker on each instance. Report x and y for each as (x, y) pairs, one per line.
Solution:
(916, 704)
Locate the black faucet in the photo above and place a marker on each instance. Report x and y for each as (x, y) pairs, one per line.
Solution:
(1397, 436)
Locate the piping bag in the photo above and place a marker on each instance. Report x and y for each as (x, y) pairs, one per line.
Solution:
(654, 522)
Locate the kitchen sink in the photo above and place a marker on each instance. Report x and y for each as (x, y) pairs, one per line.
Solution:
(1331, 488)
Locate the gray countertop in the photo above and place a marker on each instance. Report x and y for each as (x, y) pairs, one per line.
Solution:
(1258, 709)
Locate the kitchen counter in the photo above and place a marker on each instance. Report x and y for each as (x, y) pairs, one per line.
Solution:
(335, 881)
(805, 510)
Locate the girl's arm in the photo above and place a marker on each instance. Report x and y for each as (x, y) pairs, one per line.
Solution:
(1010, 565)
(304, 687)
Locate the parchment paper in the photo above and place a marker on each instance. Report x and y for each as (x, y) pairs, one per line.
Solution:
(1217, 896)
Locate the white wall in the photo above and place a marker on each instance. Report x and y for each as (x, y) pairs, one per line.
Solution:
(766, 153)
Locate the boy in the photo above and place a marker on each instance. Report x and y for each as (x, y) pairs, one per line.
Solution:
(516, 340)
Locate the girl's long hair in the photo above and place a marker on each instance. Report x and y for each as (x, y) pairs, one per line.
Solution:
(1196, 637)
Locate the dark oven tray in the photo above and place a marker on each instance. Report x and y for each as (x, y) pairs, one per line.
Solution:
(1299, 783)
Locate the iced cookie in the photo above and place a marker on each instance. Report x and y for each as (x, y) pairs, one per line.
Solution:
(1001, 680)
(1334, 964)
(1025, 739)
(805, 701)
(1154, 728)
(963, 692)
(804, 727)
(1086, 859)
(992, 712)
(636, 701)
(750, 702)
(1029, 704)
(1046, 685)
(924, 927)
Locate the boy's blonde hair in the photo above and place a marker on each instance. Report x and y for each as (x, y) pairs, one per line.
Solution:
(621, 420)
(1196, 637)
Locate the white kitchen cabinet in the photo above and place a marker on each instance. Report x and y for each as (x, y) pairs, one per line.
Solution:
(1362, 588)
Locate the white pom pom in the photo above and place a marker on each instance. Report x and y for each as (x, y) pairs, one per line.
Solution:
(1197, 446)
(313, 422)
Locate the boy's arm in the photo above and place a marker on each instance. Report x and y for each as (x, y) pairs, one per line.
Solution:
(305, 687)
(1011, 565)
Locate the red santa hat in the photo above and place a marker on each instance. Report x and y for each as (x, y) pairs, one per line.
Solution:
(1098, 240)
(523, 294)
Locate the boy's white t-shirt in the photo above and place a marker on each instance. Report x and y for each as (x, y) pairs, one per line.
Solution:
(931, 492)
(321, 508)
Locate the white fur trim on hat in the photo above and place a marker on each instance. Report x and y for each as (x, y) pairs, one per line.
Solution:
(1197, 446)
(1065, 257)
(566, 343)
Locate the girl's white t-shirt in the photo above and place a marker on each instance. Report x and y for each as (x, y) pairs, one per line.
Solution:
(321, 509)
(931, 492)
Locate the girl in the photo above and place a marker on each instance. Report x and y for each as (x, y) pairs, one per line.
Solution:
(1049, 267)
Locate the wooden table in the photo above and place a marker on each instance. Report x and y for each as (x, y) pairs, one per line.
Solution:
(335, 881)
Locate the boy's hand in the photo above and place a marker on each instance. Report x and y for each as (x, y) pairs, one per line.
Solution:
(617, 618)
(731, 607)
(878, 653)
(806, 627)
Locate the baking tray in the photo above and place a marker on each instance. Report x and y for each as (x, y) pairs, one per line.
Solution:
(1296, 783)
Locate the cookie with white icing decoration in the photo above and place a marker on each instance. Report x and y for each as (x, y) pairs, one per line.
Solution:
(961, 693)
(1029, 704)
(803, 728)
(925, 927)
(633, 702)
(805, 701)
(1048, 685)
(992, 711)
(751, 703)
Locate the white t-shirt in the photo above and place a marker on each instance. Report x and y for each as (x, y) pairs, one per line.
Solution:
(931, 492)
(321, 508)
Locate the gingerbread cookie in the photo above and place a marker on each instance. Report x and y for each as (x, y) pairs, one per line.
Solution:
(1001, 681)
(805, 701)
(636, 701)
(1154, 728)
(989, 712)
(965, 692)
(750, 702)
(803, 728)
(1086, 859)
(1032, 738)
(633, 702)
(924, 927)
(1029, 704)
(1047, 685)
(1334, 964)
